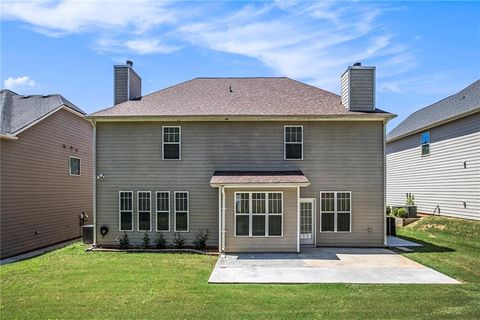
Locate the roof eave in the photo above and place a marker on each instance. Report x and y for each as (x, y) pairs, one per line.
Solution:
(261, 185)
(434, 124)
(227, 117)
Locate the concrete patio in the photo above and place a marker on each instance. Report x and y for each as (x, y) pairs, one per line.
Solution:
(325, 265)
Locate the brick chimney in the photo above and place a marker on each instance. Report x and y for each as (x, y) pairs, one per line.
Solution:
(127, 84)
(358, 88)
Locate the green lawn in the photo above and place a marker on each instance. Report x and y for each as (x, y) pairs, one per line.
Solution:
(71, 283)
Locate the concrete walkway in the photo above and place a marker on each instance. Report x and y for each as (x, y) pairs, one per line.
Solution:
(325, 265)
(398, 242)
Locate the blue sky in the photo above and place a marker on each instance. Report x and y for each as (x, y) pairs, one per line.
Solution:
(423, 51)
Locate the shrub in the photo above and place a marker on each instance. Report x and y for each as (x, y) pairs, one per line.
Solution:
(146, 240)
(178, 241)
(123, 241)
(201, 238)
(399, 212)
(160, 242)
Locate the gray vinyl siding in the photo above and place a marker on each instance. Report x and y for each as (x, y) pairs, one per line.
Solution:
(37, 192)
(362, 89)
(120, 83)
(135, 85)
(337, 156)
(286, 243)
(440, 178)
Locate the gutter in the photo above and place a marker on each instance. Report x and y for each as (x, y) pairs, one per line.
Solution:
(8, 136)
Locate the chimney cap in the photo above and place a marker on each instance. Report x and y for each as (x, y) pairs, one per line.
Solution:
(357, 64)
(129, 63)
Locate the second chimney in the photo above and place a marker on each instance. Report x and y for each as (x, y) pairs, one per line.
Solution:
(127, 84)
(358, 88)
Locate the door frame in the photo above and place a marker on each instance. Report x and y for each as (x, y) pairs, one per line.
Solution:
(313, 201)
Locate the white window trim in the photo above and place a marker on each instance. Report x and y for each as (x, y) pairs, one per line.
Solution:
(285, 142)
(179, 143)
(188, 211)
(70, 166)
(138, 211)
(335, 212)
(424, 144)
(158, 211)
(250, 214)
(120, 211)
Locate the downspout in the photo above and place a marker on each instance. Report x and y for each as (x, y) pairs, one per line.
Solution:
(384, 184)
(220, 219)
(298, 219)
(223, 219)
(94, 183)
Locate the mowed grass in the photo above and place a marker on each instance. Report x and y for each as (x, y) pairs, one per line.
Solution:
(73, 284)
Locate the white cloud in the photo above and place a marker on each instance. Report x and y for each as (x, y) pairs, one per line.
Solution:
(19, 83)
(138, 46)
(56, 18)
(309, 41)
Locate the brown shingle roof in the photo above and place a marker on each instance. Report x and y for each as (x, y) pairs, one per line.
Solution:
(246, 177)
(234, 97)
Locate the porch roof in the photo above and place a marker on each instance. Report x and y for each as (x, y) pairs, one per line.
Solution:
(260, 178)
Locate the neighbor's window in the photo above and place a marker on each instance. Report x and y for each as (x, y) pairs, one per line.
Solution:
(181, 211)
(74, 166)
(125, 199)
(293, 140)
(335, 211)
(425, 141)
(163, 211)
(258, 214)
(144, 213)
(171, 143)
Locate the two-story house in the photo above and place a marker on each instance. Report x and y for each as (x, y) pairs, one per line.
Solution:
(263, 164)
(46, 171)
(434, 154)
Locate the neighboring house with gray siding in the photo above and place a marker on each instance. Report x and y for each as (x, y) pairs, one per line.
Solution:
(263, 164)
(46, 171)
(435, 154)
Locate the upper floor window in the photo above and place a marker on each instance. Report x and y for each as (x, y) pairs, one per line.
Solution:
(171, 143)
(425, 141)
(74, 166)
(293, 140)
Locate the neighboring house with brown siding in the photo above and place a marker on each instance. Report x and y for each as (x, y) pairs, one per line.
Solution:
(435, 155)
(263, 164)
(46, 171)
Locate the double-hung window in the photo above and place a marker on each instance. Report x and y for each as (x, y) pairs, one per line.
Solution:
(125, 204)
(258, 214)
(336, 211)
(163, 211)
(293, 142)
(181, 211)
(144, 222)
(425, 141)
(171, 143)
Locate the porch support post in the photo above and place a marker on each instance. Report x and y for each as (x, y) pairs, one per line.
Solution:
(223, 219)
(219, 219)
(298, 219)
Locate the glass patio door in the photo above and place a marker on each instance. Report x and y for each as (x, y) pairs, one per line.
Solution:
(307, 221)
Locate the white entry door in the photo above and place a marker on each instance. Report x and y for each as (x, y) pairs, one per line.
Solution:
(307, 221)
